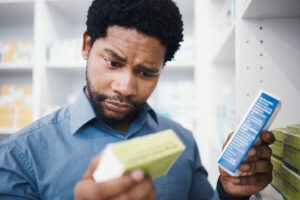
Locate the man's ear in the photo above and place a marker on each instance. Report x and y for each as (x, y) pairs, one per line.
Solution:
(86, 46)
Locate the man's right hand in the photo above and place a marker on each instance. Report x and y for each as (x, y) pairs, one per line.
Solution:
(134, 185)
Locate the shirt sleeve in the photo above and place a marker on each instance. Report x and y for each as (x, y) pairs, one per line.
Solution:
(201, 188)
(16, 174)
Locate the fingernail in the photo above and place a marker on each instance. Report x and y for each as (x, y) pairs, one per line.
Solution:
(268, 135)
(137, 175)
(245, 167)
(236, 180)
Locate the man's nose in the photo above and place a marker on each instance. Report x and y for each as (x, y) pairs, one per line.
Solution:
(125, 85)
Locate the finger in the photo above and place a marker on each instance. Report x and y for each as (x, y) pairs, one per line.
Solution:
(152, 194)
(137, 175)
(261, 151)
(259, 166)
(267, 137)
(228, 138)
(259, 179)
(89, 189)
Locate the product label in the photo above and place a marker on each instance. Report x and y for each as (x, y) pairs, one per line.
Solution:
(154, 153)
(248, 132)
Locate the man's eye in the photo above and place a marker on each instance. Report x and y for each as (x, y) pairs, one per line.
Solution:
(145, 74)
(112, 63)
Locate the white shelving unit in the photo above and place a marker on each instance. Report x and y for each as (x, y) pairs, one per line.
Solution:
(225, 53)
(57, 83)
(264, 9)
(234, 58)
(261, 51)
(7, 131)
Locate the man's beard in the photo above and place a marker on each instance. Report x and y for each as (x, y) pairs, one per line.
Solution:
(97, 98)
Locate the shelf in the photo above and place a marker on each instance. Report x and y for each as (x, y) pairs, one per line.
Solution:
(67, 66)
(8, 131)
(16, 12)
(15, 1)
(77, 12)
(225, 53)
(272, 9)
(180, 65)
(11, 67)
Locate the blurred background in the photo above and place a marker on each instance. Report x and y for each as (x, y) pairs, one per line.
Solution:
(231, 50)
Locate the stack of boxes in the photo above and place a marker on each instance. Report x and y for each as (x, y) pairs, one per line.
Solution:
(286, 161)
(16, 103)
(65, 51)
(16, 51)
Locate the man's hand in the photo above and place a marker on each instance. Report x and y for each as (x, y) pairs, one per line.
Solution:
(134, 185)
(256, 171)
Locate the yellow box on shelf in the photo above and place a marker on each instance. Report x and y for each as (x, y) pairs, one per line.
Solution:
(16, 106)
(15, 51)
(6, 118)
(24, 116)
(5, 89)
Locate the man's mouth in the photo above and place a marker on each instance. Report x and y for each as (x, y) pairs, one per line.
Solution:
(119, 107)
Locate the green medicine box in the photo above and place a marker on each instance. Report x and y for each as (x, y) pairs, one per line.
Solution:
(291, 151)
(154, 154)
(295, 128)
(277, 146)
(290, 184)
(277, 174)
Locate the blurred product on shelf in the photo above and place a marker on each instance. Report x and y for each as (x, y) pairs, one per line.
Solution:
(176, 100)
(291, 149)
(16, 104)
(15, 51)
(187, 52)
(286, 161)
(277, 146)
(50, 109)
(286, 181)
(225, 115)
(226, 16)
(65, 50)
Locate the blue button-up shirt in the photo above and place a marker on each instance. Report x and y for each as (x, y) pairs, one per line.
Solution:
(46, 159)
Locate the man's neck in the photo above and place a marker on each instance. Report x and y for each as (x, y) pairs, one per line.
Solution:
(123, 127)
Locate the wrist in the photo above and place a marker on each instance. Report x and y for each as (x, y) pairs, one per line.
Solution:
(224, 195)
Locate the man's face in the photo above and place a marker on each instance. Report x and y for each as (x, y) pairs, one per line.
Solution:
(122, 71)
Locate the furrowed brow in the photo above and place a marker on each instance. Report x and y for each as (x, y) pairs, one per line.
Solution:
(115, 55)
(149, 70)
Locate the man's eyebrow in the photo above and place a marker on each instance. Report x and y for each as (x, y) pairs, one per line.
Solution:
(149, 70)
(115, 55)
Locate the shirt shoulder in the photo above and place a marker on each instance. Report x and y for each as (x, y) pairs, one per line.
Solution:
(38, 127)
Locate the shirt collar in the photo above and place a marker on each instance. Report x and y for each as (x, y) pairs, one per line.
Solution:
(151, 112)
(81, 112)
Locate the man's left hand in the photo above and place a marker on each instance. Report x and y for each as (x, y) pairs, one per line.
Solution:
(256, 172)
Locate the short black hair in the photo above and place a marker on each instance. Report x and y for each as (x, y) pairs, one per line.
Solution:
(160, 19)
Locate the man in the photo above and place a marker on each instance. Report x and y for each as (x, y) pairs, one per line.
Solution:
(126, 45)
